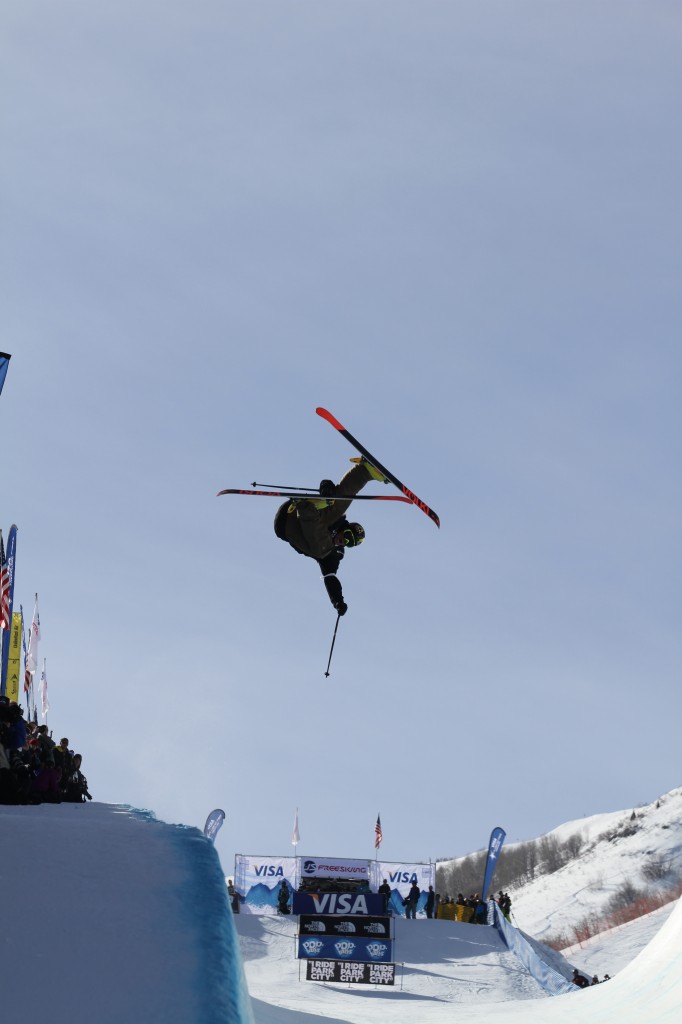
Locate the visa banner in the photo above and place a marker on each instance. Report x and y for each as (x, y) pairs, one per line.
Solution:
(258, 881)
(338, 903)
(401, 876)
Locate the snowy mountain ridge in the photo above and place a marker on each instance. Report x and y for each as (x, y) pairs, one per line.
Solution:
(610, 861)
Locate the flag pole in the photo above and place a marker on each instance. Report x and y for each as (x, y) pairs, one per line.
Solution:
(295, 836)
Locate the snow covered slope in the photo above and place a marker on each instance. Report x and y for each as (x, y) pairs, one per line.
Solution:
(616, 849)
(461, 970)
(111, 916)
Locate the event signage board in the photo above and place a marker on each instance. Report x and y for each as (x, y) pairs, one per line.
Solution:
(336, 924)
(258, 881)
(344, 947)
(334, 867)
(401, 876)
(346, 903)
(350, 972)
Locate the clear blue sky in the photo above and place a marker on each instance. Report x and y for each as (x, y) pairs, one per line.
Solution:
(457, 226)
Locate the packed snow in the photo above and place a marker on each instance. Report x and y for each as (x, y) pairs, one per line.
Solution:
(110, 915)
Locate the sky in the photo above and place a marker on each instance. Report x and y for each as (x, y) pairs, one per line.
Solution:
(138, 898)
(456, 226)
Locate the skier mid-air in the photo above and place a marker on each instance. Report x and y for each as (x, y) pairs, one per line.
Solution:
(315, 523)
(318, 528)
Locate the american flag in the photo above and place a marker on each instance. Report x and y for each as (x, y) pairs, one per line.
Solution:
(4, 587)
(378, 834)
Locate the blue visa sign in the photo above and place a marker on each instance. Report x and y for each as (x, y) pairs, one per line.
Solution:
(338, 903)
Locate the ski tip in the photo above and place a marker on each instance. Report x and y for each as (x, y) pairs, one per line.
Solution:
(326, 415)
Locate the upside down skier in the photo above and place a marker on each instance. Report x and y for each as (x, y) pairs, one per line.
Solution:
(318, 528)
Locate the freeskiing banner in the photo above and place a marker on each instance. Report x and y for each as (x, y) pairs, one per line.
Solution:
(401, 877)
(259, 879)
(494, 846)
(334, 867)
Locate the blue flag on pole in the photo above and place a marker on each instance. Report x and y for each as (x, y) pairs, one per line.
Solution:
(213, 823)
(494, 846)
(4, 363)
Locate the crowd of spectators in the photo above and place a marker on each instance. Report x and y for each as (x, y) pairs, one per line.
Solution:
(470, 909)
(582, 981)
(33, 768)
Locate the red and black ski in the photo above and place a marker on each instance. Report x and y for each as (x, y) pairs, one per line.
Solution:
(316, 495)
(410, 495)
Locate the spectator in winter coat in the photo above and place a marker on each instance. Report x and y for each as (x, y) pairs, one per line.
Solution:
(63, 758)
(234, 897)
(76, 788)
(15, 733)
(579, 979)
(480, 910)
(430, 902)
(47, 745)
(7, 783)
(411, 902)
(504, 903)
(385, 891)
(45, 784)
(283, 898)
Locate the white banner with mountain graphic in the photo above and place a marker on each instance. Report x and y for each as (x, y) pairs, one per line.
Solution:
(258, 881)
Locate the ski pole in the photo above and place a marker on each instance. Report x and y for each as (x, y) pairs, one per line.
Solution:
(286, 487)
(333, 642)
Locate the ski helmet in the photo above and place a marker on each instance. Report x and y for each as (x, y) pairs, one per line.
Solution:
(353, 534)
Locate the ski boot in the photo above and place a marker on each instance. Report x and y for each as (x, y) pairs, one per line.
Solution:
(372, 470)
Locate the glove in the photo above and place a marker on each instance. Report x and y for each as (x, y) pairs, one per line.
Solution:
(341, 607)
(327, 488)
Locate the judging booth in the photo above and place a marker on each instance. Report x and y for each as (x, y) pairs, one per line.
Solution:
(344, 925)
